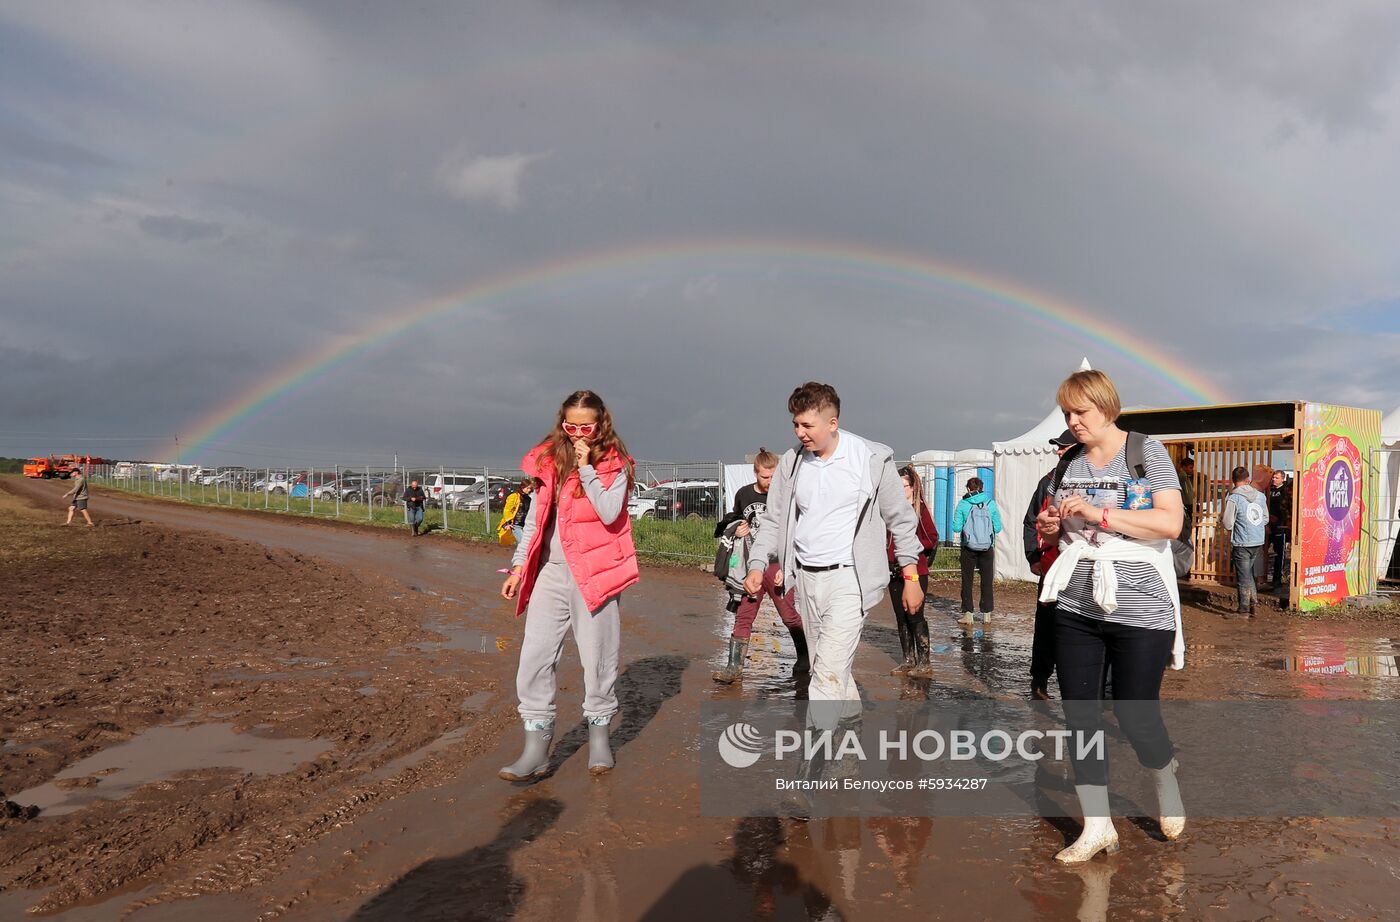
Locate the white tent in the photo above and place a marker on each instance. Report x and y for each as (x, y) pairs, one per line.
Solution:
(1388, 465)
(1019, 464)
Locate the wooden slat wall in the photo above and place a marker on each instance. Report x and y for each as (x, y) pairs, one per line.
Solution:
(1215, 459)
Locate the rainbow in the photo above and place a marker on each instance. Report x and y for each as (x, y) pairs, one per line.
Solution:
(846, 261)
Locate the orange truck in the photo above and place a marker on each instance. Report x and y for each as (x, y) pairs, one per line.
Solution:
(62, 467)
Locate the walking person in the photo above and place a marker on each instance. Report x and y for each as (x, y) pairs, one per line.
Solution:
(1280, 522)
(912, 625)
(574, 560)
(750, 502)
(979, 521)
(413, 500)
(830, 504)
(1246, 516)
(514, 512)
(1040, 554)
(79, 492)
(1117, 506)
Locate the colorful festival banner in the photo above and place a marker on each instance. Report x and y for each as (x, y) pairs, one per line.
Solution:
(1337, 444)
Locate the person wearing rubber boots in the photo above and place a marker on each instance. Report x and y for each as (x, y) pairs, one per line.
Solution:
(749, 504)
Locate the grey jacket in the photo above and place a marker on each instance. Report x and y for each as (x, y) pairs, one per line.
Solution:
(1245, 515)
(883, 507)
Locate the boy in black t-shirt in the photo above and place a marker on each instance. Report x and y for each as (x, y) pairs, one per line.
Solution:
(749, 505)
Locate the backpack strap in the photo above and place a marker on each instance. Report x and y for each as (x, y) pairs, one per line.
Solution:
(1134, 455)
(1065, 460)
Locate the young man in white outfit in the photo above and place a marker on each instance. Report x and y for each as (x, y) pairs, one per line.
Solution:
(829, 506)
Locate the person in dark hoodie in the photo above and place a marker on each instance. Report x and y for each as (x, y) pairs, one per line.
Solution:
(1280, 521)
(1246, 516)
(1040, 554)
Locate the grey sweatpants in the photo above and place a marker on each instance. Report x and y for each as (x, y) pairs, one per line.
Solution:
(556, 606)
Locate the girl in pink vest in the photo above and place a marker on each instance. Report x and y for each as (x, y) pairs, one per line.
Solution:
(574, 559)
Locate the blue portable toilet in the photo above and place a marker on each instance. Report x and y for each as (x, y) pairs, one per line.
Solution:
(936, 469)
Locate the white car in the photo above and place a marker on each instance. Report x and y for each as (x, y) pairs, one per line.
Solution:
(438, 486)
(276, 482)
(643, 505)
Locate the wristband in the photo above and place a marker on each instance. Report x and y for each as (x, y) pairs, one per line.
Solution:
(911, 579)
(1103, 521)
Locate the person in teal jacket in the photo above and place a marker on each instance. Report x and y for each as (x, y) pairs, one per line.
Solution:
(978, 520)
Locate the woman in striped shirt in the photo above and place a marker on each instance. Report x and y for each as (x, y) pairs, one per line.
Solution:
(1118, 607)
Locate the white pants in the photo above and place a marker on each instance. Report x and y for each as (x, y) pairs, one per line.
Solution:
(832, 615)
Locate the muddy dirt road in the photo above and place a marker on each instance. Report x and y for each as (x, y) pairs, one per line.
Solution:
(236, 716)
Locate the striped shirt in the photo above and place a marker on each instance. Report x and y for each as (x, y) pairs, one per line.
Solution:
(1143, 599)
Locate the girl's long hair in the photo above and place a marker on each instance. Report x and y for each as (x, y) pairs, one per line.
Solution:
(912, 477)
(605, 441)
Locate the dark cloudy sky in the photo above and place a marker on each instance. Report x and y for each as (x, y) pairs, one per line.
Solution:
(193, 196)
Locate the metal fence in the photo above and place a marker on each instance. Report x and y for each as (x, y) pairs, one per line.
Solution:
(466, 500)
(673, 505)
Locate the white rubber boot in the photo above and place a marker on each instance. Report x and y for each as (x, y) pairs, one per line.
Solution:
(1171, 812)
(600, 757)
(1098, 834)
(534, 760)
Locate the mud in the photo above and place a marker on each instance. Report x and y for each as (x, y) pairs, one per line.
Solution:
(399, 814)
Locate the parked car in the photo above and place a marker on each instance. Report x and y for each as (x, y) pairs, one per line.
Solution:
(438, 486)
(275, 482)
(688, 499)
(305, 484)
(379, 491)
(643, 505)
(325, 492)
(474, 498)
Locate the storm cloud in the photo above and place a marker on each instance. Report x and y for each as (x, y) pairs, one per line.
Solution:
(700, 206)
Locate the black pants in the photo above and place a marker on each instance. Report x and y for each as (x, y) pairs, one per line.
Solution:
(1043, 644)
(1084, 649)
(904, 619)
(980, 561)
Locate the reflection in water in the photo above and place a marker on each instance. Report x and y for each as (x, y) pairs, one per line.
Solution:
(1387, 667)
(902, 840)
(1097, 878)
(464, 639)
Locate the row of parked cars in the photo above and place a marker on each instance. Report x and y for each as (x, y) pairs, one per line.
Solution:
(676, 500)
(667, 502)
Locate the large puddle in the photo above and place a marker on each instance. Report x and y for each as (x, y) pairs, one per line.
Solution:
(163, 752)
(465, 639)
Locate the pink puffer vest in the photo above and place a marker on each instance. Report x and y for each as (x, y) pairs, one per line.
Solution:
(602, 558)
